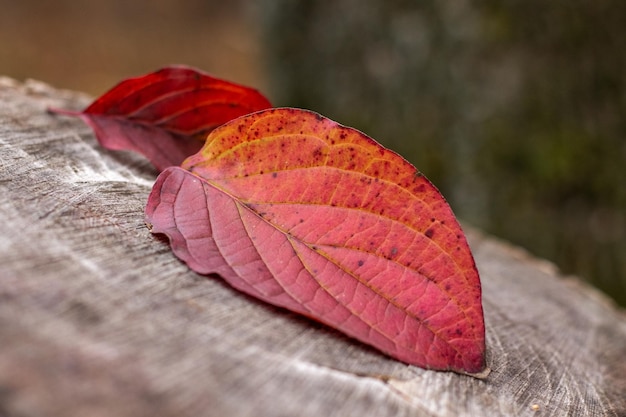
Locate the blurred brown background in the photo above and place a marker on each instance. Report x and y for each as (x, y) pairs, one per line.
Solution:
(91, 45)
(516, 110)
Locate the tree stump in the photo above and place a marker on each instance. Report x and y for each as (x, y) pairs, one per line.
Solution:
(98, 318)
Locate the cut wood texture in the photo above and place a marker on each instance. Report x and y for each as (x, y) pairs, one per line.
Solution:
(99, 318)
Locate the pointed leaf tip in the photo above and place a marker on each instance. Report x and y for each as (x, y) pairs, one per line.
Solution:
(303, 213)
(166, 115)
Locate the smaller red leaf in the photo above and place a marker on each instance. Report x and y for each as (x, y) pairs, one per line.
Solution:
(166, 115)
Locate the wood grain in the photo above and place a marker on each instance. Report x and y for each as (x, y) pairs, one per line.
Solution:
(98, 318)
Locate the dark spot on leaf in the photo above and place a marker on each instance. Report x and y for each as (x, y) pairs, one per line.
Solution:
(429, 233)
(361, 262)
(274, 174)
(317, 153)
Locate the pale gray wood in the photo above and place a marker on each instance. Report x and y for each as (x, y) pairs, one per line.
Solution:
(98, 318)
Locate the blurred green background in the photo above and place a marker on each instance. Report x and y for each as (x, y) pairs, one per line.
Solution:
(516, 110)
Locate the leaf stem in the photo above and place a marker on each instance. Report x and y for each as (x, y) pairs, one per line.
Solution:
(64, 112)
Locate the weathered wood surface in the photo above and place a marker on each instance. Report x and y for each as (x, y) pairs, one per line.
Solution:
(98, 318)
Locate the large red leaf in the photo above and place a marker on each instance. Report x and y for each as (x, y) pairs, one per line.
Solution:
(166, 115)
(306, 214)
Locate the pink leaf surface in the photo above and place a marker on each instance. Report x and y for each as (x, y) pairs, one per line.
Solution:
(166, 115)
(303, 213)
